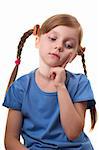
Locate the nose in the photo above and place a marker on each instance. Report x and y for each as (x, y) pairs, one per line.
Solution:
(59, 47)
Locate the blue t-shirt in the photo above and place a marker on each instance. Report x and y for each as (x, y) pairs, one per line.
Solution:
(41, 127)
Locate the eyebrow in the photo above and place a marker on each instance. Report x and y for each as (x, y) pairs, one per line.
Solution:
(54, 32)
(67, 39)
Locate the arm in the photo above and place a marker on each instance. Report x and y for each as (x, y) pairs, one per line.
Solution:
(72, 115)
(12, 133)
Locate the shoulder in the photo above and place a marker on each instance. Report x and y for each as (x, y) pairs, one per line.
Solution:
(78, 84)
(80, 88)
(25, 77)
(16, 92)
(21, 84)
(76, 78)
(23, 81)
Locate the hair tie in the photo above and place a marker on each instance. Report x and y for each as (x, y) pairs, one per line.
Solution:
(17, 62)
(81, 50)
(36, 29)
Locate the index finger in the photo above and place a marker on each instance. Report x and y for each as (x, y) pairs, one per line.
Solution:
(65, 63)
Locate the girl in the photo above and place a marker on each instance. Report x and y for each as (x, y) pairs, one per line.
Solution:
(48, 105)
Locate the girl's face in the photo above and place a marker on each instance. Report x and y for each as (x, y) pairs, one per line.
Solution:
(56, 45)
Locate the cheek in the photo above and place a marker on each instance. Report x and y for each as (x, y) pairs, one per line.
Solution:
(72, 51)
(67, 54)
(42, 47)
(45, 44)
(64, 58)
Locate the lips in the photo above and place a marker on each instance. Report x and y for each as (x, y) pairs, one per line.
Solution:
(54, 54)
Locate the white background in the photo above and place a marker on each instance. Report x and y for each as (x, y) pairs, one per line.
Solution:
(17, 16)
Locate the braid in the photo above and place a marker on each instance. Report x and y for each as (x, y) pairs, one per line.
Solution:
(84, 65)
(34, 31)
(20, 46)
(22, 41)
(93, 111)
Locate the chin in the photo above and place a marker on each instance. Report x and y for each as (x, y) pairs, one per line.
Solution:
(55, 65)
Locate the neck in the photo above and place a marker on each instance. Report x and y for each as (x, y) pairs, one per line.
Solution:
(44, 69)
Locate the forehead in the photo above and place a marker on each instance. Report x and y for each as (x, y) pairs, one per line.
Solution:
(64, 31)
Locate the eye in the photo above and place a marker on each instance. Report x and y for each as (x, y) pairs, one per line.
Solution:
(52, 38)
(68, 46)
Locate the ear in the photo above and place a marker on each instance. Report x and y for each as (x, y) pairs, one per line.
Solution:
(37, 41)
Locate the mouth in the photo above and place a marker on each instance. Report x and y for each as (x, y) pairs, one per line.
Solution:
(55, 55)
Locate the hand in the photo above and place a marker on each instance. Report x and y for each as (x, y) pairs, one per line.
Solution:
(58, 75)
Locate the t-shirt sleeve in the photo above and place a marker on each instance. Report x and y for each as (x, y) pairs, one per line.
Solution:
(84, 92)
(14, 97)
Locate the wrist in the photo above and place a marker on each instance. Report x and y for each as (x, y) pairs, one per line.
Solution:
(60, 86)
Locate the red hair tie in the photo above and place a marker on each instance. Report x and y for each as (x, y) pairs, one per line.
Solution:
(17, 61)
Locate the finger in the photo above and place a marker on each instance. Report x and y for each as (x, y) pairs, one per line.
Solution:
(67, 60)
(72, 57)
(52, 74)
(64, 65)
